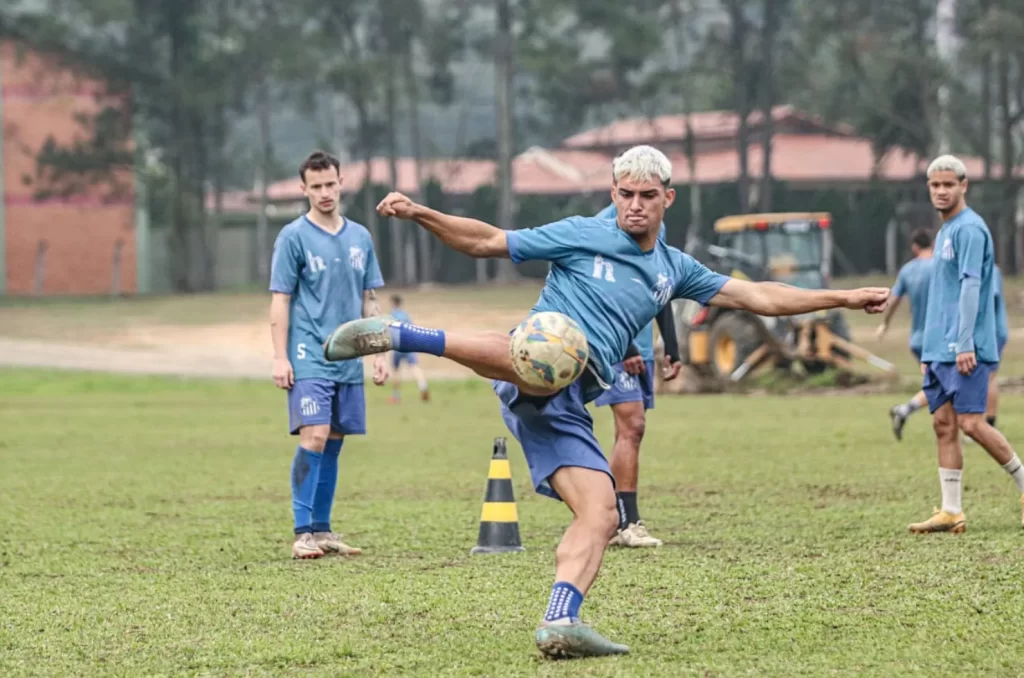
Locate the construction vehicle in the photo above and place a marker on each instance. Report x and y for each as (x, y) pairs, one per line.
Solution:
(794, 248)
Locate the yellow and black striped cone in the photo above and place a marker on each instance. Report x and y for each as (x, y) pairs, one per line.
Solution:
(499, 521)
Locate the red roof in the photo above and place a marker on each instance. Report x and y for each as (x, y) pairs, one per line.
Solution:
(706, 125)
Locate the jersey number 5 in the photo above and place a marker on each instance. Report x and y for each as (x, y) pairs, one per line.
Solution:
(300, 351)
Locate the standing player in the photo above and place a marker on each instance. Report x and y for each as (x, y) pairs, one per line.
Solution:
(324, 272)
(960, 347)
(630, 396)
(397, 358)
(912, 281)
(612, 278)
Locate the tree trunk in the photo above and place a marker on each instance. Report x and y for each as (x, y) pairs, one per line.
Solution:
(1005, 219)
(503, 71)
(741, 100)
(769, 33)
(413, 93)
(266, 159)
(395, 231)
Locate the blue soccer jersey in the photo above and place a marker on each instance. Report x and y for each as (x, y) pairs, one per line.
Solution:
(912, 282)
(963, 250)
(645, 339)
(325, 274)
(602, 279)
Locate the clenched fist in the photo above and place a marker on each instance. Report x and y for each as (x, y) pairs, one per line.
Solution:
(397, 205)
(870, 299)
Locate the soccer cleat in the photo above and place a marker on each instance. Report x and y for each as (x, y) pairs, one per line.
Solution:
(574, 641)
(899, 420)
(635, 535)
(357, 338)
(941, 521)
(425, 396)
(332, 543)
(305, 547)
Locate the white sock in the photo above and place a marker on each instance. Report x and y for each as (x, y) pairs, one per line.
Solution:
(949, 478)
(908, 408)
(1016, 471)
(422, 384)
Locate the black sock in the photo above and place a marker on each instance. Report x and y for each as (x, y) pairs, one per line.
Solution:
(991, 421)
(628, 512)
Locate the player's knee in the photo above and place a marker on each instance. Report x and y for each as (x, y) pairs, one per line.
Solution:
(944, 427)
(314, 437)
(602, 517)
(631, 428)
(971, 424)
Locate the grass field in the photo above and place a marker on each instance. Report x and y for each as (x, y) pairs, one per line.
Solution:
(144, 530)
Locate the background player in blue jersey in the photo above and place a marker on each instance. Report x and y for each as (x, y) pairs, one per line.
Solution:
(410, 359)
(611, 277)
(911, 282)
(960, 347)
(629, 397)
(323, 272)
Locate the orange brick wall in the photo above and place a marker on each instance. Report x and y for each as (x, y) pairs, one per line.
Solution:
(81, 233)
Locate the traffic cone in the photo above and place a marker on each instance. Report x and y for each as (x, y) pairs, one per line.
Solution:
(499, 520)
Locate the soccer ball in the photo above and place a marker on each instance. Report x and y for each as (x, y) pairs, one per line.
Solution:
(549, 350)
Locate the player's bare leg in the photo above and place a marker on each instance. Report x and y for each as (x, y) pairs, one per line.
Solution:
(900, 413)
(421, 382)
(630, 424)
(589, 494)
(486, 353)
(998, 447)
(950, 518)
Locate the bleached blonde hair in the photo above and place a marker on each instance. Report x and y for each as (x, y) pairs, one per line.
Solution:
(948, 163)
(642, 163)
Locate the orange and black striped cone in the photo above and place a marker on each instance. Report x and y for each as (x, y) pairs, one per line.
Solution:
(499, 520)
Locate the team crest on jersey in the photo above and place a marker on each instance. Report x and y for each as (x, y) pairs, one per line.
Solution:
(357, 257)
(947, 249)
(663, 289)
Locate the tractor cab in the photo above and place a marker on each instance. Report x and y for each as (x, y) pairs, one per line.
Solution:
(790, 247)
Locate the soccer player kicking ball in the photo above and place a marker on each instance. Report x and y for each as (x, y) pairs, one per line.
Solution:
(912, 282)
(630, 396)
(612, 278)
(323, 273)
(960, 346)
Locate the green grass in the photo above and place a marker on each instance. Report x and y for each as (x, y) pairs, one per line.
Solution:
(144, 530)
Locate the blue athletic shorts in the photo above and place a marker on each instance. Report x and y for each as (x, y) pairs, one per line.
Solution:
(313, 402)
(969, 395)
(554, 432)
(629, 388)
(398, 358)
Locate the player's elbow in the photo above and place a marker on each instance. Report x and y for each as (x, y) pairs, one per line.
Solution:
(491, 246)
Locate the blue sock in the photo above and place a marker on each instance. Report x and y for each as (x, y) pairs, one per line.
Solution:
(323, 500)
(565, 603)
(409, 338)
(305, 474)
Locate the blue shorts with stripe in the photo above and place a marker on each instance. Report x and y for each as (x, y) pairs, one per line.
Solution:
(314, 402)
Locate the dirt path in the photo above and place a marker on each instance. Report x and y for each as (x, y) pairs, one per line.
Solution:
(188, 360)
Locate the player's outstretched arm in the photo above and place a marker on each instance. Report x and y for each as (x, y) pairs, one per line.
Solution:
(777, 299)
(469, 236)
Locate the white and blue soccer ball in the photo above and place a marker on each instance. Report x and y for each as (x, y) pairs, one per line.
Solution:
(549, 350)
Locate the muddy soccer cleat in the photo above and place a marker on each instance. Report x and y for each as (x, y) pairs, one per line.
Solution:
(574, 641)
(331, 544)
(941, 521)
(634, 535)
(899, 420)
(356, 338)
(305, 547)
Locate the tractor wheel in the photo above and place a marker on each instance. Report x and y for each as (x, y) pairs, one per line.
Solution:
(733, 338)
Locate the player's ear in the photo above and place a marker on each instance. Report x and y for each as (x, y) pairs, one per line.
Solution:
(670, 197)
